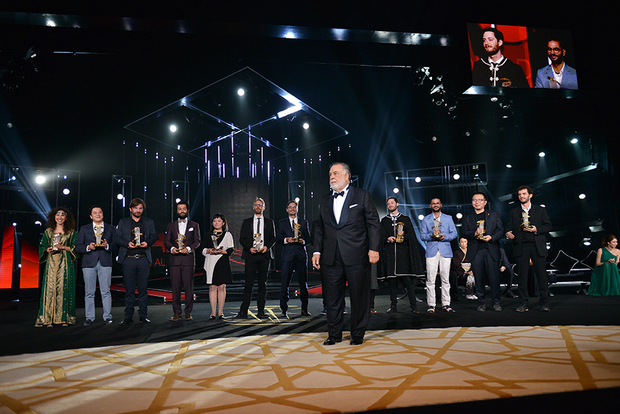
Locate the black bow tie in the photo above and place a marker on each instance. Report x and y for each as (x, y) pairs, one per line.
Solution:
(335, 195)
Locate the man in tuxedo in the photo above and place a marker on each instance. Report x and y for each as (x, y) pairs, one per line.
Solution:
(294, 256)
(527, 228)
(483, 229)
(182, 240)
(134, 237)
(347, 241)
(96, 263)
(257, 237)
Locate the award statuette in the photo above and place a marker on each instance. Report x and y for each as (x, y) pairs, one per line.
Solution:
(480, 225)
(98, 235)
(136, 235)
(296, 232)
(180, 243)
(258, 241)
(436, 229)
(525, 220)
(214, 238)
(400, 232)
(466, 266)
(56, 240)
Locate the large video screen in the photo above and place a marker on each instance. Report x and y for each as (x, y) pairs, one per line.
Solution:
(521, 57)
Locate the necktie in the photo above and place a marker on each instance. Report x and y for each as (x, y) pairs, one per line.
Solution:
(257, 225)
(335, 195)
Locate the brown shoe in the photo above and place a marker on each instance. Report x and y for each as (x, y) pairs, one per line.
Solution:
(176, 317)
(188, 317)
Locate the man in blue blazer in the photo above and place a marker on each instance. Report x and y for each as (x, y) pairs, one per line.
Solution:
(483, 229)
(347, 240)
(95, 241)
(438, 230)
(134, 237)
(294, 256)
(557, 75)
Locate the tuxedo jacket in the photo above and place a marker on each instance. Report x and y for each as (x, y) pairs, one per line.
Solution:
(86, 236)
(123, 236)
(246, 239)
(291, 251)
(538, 218)
(192, 240)
(358, 232)
(494, 228)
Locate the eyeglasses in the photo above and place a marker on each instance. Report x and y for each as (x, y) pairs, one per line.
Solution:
(259, 205)
(478, 200)
(554, 49)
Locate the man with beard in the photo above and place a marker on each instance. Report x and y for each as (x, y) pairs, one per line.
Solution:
(527, 228)
(400, 258)
(497, 69)
(182, 240)
(134, 237)
(347, 240)
(556, 75)
(257, 236)
(438, 230)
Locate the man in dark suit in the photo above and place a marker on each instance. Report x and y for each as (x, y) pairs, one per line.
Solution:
(95, 241)
(527, 227)
(257, 237)
(483, 229)
(294, 236)
(134, 237)
(347, 241)
(182, 240)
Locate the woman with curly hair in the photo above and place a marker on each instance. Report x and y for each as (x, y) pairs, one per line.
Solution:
(57, 251)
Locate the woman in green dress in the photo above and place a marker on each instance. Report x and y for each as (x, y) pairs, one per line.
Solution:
(57, 252)
(605, 280)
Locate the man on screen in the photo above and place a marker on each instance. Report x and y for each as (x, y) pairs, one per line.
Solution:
(497, 69)
(557, 75)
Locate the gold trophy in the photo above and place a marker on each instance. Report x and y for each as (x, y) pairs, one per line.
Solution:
(214, 239)
(136, 235)
(56, 240)
(258, 241)
(98, 235)
(400, 232)
(296, 232)
(436, 229)
(525, 220)
(180, 243)
(466, 266)
(480, 224)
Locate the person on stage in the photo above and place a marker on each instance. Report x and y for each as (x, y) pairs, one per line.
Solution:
(347, 241)
(219, 245)
(527, 228)
(57, 251)
(95, 242)
(257, 237)
(496, 69)
(294, 235)
(134, 237)
(438, 230)
(605, 280)
(182, 240)
(556, 75)
(483, 228)
(400, 257)
(461, 273)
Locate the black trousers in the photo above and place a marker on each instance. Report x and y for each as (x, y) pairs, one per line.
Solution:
(409, 283)
(136, 274)
(540, 270)
(182, 276)
(257, 268)
(299, 265)
(336, 277)
(484, 265)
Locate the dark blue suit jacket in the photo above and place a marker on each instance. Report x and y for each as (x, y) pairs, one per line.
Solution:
(291, 251)
(494, 228)
(123, 236)
(86, 236)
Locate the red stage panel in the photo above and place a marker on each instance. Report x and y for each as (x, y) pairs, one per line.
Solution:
(6, 257)
(29, 275)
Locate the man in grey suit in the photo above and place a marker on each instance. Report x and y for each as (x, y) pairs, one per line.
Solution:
(95, 241)
(347, 241)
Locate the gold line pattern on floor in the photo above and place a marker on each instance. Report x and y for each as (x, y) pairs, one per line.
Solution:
(296, 373)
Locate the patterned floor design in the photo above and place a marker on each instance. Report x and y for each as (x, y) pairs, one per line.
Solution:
(297, 374)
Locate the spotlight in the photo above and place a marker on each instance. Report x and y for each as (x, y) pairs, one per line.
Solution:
(306, 125)
(493, 98)
(508, 165)
(14, 224)
(240, 92)
(38, 222)
(119, 196)
(395, 190)
(459, 215)
(418, 179)
(582, 196)
(177, 200)
(39, 179)
(421, 217)
(66, 191)
(541, 154)
(297, 200)
(456, 177)
(574, 141)
(173, 128)
(548, 246)
(433, 138)
(586, 241)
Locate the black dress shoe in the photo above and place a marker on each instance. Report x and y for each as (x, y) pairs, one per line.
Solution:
(284, 314)
(241, 316)
(262, 316)
(391, 309)
(145, 320)
(356, 340)
(126, 321)
(331, 340)
(305, 313)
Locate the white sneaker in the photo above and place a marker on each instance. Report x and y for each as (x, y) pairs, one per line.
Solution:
(472, 297)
